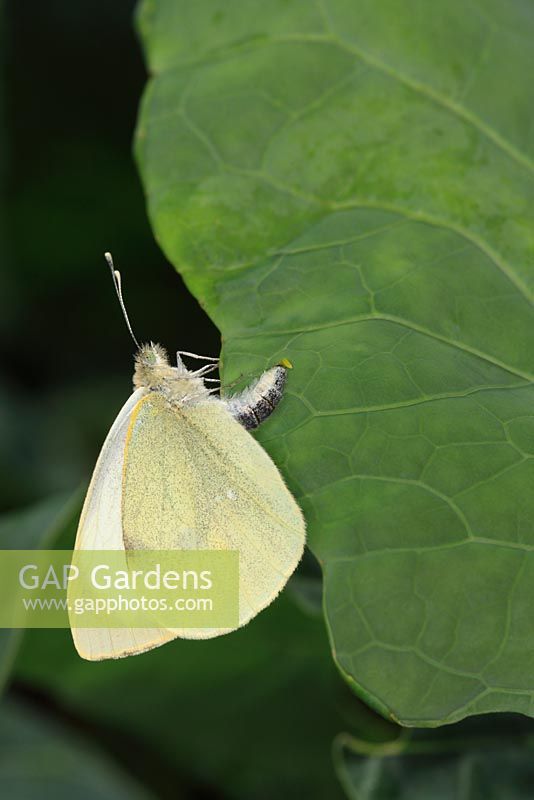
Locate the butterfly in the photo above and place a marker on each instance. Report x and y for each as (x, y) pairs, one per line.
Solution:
(179, 470)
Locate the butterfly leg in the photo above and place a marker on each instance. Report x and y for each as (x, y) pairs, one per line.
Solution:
(180, 353)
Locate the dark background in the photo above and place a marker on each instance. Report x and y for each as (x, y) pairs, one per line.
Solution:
(73, 76)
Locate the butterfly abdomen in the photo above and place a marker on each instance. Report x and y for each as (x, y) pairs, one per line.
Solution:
(258, 401)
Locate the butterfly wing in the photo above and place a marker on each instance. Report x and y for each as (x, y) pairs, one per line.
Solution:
(100, 528)
(207, 484)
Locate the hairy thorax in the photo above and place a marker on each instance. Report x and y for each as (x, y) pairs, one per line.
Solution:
(154, 372)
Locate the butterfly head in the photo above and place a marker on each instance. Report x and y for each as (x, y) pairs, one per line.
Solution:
(151, 366)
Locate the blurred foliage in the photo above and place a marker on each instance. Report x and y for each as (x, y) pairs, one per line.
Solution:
(38, 526)
(40, 759)
(461, 762)
(251, 715)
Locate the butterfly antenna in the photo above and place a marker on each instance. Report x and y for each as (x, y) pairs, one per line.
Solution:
(115, 274)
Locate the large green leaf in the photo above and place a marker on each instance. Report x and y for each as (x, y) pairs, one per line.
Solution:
(349, 184)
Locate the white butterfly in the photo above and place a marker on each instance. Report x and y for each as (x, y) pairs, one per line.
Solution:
(179, 470)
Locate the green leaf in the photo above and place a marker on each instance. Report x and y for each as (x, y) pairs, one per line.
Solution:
(39, 760)
(422, 767)
(30, 528)
(350, 185)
